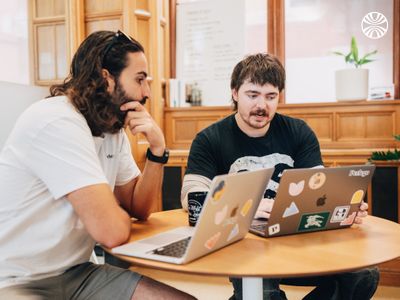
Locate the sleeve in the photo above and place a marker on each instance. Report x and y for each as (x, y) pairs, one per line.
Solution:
(202, 159)
(63, 156)
(127, 167)
(308, 152)
(193, 183)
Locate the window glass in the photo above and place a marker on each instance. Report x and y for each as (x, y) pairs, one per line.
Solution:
(316, 28)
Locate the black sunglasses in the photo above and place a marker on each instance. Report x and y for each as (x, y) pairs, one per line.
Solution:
(119, 36)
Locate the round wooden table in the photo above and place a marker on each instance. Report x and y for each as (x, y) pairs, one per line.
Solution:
(253, 258)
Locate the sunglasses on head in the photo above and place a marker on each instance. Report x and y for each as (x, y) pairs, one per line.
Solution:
(119, 36)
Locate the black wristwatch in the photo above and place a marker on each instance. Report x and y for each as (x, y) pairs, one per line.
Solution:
(158, 159)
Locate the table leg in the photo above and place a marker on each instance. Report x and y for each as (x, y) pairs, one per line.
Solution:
(252, 288)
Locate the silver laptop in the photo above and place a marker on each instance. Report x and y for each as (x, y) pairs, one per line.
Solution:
(226, 216)
(315, 199)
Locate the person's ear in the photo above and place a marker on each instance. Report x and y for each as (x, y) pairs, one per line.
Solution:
(110, 80)
(234, 95)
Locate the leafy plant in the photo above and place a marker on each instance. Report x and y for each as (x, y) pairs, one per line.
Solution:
(353, 57)
(386, 155)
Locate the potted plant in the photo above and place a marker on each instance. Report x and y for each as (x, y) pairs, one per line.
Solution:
(352, 84)
(386, 155)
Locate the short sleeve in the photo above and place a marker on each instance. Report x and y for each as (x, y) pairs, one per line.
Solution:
(308, 152)
(201, 160)
(127, 167)
(63, 156)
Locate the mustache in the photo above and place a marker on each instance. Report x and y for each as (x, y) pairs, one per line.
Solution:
(142, 101)
(259, 112)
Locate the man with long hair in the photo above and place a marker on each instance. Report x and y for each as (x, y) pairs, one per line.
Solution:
(68, 179)
(256, 136)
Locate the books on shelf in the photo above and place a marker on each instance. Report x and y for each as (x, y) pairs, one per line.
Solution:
(183, 93)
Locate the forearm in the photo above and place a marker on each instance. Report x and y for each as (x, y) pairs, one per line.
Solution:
(101, 215)
(147, 190)
(193, 183)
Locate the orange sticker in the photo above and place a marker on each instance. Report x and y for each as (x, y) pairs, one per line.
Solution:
(246, 207)
(212, 241)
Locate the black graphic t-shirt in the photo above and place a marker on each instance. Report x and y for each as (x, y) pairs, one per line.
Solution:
(223, 148)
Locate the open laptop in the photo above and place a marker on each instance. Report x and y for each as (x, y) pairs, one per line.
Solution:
(225, 218)
(315, 199)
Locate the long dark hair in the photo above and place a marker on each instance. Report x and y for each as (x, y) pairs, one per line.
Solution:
(85, 85)
(260, 68)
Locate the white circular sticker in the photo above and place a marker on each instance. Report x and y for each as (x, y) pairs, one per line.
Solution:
(317, 180)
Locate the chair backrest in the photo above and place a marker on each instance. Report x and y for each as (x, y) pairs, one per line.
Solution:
(14, 99)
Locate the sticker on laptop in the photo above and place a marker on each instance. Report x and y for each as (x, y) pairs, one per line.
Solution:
(210, 243)
(274, 229)
(246, 207)
(357, 197)
(317, 180)
(315, 221)
(349, 220)
(295, 189)
(220, 215)
(234, 232)
(232, 217)
(340, 213)
(218, 192)
(291, 210)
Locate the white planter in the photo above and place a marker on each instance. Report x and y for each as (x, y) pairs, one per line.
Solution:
(351, 84)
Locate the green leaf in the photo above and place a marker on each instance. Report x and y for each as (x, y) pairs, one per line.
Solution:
(354, 49)
(371, 53)
(364, 61)
(348, 58)
(338, 53)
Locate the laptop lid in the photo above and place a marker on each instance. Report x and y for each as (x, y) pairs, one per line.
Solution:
(225, 218)
(317, 199)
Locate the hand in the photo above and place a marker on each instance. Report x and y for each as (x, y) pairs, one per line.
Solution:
(264, 209)
(362, 213)
(139, 121)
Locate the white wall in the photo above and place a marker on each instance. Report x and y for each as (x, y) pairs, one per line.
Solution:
(15, 92)
(14, 44)
(14, 99)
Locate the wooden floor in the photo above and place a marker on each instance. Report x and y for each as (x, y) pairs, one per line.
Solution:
(201, 286)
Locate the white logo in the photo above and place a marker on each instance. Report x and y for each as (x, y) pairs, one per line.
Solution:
(374, 25)
(359, 173)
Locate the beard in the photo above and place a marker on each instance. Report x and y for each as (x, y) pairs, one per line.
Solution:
(118, 98)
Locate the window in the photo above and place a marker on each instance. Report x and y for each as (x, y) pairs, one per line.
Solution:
(316, 28)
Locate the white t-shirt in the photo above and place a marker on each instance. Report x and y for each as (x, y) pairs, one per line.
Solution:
(50, 153)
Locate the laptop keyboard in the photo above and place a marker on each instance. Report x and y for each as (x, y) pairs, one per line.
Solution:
(176, 249)
(259, 227)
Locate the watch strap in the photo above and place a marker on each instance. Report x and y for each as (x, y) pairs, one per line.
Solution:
(158, 159)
